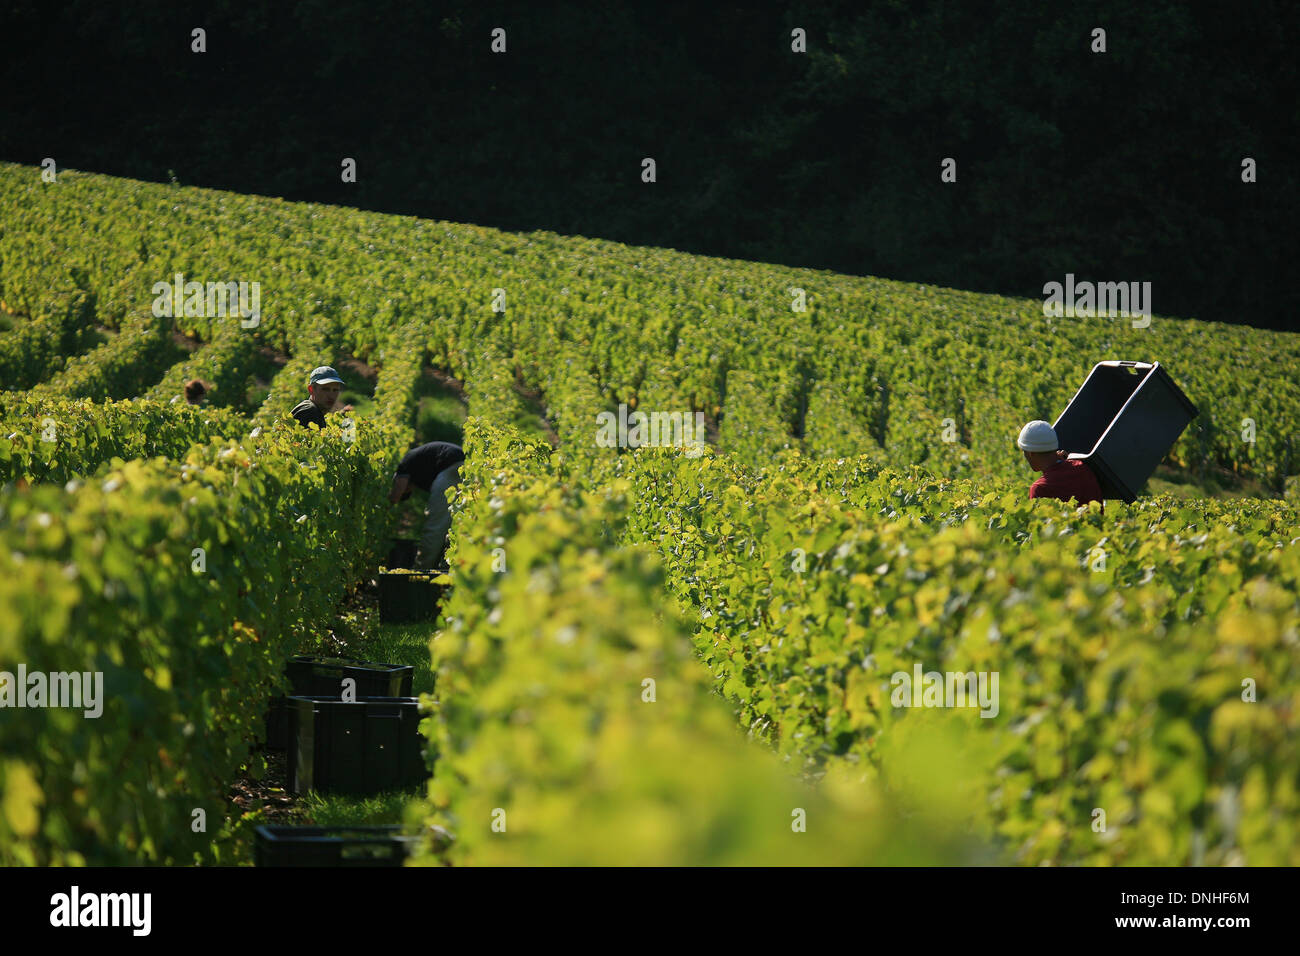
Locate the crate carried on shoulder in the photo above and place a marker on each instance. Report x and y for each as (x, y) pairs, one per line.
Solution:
(1122, 422)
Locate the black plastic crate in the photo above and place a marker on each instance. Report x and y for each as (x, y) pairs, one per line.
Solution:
(323, 677)
(403, 552)
(1122, 422)
(407, 596)
(332, 846)
(360, 747)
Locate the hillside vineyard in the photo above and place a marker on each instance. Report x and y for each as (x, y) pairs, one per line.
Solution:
(623, 613)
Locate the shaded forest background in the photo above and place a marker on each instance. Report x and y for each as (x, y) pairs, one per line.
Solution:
(1123, 166)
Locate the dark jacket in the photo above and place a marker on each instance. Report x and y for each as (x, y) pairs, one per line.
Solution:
(423, 463)
(305, 411)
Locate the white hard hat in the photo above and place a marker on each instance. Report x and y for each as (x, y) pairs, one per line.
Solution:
(1038, 436)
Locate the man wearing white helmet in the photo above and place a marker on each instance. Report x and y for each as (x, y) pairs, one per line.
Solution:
(1062, 478)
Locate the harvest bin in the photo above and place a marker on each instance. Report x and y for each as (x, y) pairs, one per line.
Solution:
(406, 596)
(402, 553)
(356, 747)
(332, 846)
(323, 677)
(1122, 422)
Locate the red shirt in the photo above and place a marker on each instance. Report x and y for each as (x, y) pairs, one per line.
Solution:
(1066, 479)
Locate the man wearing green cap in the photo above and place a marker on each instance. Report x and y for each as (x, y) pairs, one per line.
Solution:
(323, 387)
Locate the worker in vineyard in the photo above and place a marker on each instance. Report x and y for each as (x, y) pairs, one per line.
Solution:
(1062, 478)
(433, 468)
(194, 391)
(323, 391)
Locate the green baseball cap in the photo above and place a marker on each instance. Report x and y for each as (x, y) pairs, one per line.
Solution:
(324, 374)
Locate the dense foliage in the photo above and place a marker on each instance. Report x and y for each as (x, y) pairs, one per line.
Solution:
(574, 725)
(55, 440)
(172, 577)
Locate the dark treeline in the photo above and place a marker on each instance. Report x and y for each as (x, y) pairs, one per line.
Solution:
(1123, 166)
